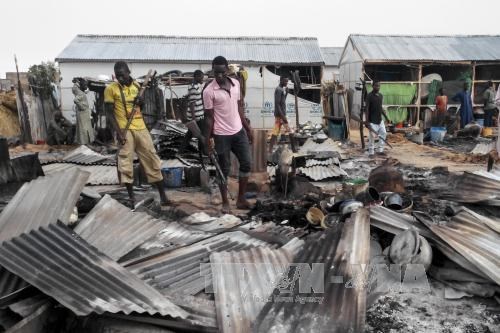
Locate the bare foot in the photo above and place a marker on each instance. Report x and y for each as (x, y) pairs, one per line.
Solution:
(226, 208)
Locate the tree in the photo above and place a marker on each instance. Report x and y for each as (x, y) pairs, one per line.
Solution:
(41, 77)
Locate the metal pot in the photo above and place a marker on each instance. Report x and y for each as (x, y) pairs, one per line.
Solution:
(368, 196)
(394, 201)
(315, 216)
(349, 206)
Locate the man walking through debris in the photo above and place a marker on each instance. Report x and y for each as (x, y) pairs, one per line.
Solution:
(227, 129)
(465, 105)
(280, 120)
(195, 107)
(490, 106)
(84, 130)
(374, 113)
(119, 98)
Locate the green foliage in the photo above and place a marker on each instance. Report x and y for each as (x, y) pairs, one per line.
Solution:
(40, 78)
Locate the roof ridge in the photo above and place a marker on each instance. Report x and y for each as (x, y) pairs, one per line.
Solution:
(196, 37)
(421, 36)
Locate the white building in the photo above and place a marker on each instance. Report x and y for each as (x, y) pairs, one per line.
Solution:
(331, 56)
(264, 58)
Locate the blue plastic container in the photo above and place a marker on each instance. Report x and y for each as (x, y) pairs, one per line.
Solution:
(437, 134)
(172, 177)
(480, 122)
(336, 130)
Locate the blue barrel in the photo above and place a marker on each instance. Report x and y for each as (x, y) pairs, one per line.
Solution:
(437, 134)
(172, 177)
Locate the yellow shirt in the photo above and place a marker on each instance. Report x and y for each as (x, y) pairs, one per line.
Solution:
(112, 95)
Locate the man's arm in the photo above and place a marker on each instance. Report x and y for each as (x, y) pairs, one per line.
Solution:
(209, 129)
(109, 108)
(246, 125)
(367, 108)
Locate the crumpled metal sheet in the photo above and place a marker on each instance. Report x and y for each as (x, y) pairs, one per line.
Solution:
(85, 155)
(320, 172)
(326, 162)
(310, 147)
(244, 279)
(41, 202)
(474, 187)
(99, 174)
(483, 148)
(343, 250)
(115, 230)
(62, 265)
(470, 237)
(10, 283)
(178, 272)
(204, 222)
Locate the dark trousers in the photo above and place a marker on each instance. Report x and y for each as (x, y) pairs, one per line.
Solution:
(488, 118)
(239, 145)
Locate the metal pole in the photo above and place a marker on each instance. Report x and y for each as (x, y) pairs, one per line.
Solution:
(25, 124)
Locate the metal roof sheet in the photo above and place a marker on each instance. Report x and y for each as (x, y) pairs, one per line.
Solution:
(10, 283)
(244, 279)
(176, 49)
(41, 202)
(115, 230)
(483, 148)
(311, 147)
(474, 187)
(179, 272)
(99, 174)
(427, 48)
(470, 237)
(331, 55)
(320, 172)
(341, 250)
(62, 265)
(85, 155)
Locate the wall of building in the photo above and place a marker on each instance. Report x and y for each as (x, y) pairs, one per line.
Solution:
(330, 73)
(259, 99)
(351, 70)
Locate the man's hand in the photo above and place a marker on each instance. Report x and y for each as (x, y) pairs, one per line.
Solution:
(121, 138)
(210, 146)
(139, 101)
(250, 135)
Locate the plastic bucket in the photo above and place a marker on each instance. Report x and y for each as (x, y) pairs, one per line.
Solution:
(172, 177)
(437, 134)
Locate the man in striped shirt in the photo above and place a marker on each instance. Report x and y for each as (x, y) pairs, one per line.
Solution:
(195, 106)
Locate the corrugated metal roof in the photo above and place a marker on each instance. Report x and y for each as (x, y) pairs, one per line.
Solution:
(244, 279)
(99, 174)
(427, 48)
(311, 147)
(483, 148)
(64, 266)
(341, 250)
(471, 238)
(179, 272)
(41, 202)
(86, 156)
(168, 49)
(329, 161)
(320, 172)
(204, 222)
(115, 230)
(475, 187)
(331, 55)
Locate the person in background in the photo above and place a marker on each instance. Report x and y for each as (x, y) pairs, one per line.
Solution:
(280, 120)
(84, 130)
(60, 130)
(227, 129)
(374, 113)
(441, 108)
(195, 107)
(119, 99)
(465, 100)
(490, 106)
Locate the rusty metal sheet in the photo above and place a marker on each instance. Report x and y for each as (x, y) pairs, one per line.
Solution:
(342, 250)
(471, 238)
(244, 279)
(64, 266)
(85, 155)
(483, 148)
(311, 147)
(178, 272)
(41, 202)
(99, 174)
(10, 283)
(115, 230)
(481, 188)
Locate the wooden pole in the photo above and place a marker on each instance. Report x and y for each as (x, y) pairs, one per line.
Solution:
(171, 96)
(25, 123)
(419, 95)
(473, 82)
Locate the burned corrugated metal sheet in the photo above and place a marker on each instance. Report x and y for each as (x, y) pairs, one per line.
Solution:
(274, 234)
(62, 265)
(393, 222)
(115, 230)
(427, 48)
(35, 322)
(178, 49)
(483, 148)
(244, 279)
(10, 283)
(179, 273)
(99, 174)
(86, 156)
(328, 161)
(472, 239)
(342, 251)
(475, 188)
(311, 147)
(41, 202)
(204, 222)
(27, 306)
(320, 172)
